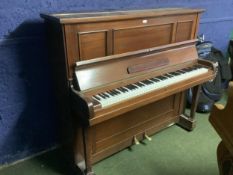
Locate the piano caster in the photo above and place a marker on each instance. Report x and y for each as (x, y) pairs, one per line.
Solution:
(147, 137)
(135, 140)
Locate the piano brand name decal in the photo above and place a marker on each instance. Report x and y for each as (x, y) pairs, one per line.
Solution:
(148, 65)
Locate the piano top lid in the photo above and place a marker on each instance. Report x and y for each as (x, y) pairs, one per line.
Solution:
(81, 17)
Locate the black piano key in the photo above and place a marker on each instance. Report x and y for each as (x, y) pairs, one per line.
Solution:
(187, 69)
(168, 75)
(125, 89)
(147, 82)
(161, 77)
(116, 92)
(105, 94)
(111, 93)
(150, 81)
(174, 73)
(180, 71)
(139, 84)
(155, 79)
(97, 98)
(121, 90)
(133, 85)
(101, 95)
(129, 86)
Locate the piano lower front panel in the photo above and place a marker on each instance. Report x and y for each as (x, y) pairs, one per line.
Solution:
(117, 133)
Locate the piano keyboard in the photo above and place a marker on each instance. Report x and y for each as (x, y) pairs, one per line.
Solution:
(117, 95)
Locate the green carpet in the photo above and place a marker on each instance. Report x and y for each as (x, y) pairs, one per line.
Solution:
(172, 151)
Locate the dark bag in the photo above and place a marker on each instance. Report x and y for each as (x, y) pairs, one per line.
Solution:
(230, 53)
(211, 91)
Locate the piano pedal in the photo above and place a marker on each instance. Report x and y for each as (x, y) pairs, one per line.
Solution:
(147, 137)
(135, 140)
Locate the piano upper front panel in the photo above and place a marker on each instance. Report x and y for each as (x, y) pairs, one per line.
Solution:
(96, 39)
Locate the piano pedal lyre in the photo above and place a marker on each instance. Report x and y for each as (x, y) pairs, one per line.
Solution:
(135, 140)
(147, 137)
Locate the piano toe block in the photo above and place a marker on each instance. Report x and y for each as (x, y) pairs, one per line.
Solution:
(186, 122)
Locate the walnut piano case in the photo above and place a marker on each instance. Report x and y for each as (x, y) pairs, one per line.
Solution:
(81, 45)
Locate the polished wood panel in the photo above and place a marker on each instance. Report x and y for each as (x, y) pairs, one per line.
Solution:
(222, 120)
(92, 44)
(184, 31)
(131, 39)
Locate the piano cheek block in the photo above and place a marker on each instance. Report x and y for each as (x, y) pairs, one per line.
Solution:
(81, 108)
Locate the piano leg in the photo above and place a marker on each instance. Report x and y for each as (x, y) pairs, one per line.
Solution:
(186, 121)
(87, 150)
(82, 151)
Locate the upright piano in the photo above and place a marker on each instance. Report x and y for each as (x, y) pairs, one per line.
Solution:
(121, 76)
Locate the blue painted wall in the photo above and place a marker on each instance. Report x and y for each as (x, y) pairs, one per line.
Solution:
(28, 119)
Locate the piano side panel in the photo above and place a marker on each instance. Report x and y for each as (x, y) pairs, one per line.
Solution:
(121, 130)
